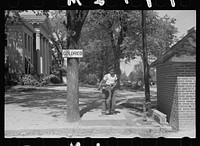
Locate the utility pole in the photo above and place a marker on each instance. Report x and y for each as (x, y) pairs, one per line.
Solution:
(145, 64)
(145, 57)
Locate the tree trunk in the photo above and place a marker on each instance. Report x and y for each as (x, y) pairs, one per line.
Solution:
(75, 21)
(106, 59)
(60, 74)
(72, 109)
(117, 50)
(117, 66)
(72, 102)
(102, 73)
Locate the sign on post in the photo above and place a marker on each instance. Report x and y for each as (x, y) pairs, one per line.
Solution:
(73, 53)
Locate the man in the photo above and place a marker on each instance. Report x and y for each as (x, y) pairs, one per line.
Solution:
(110, 81)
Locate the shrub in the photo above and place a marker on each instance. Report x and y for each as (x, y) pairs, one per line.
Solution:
(44, 80)
(31, 80)
(91, 79)
(50, 79)
(54, 79)
(39, 80)
(12, 79)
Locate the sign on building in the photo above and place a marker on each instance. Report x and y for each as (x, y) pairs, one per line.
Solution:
(75, 53)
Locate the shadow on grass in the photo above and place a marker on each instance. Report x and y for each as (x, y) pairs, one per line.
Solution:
(22, 89)
(56, 100)
(136, 104)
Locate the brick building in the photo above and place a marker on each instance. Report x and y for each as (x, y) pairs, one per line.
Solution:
(176, 83)
(28, 45)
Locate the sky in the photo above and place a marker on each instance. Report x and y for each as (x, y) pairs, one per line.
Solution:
(185, 20)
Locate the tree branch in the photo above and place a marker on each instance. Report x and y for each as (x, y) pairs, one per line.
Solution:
(55, 44)
(60, 42)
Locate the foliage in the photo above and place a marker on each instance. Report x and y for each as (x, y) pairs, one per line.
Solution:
(11, 16)
(132, 77)
(59, 70)
(53, 79)
(58, 41)
(12, 79)
(100, 30)
(95, 60)
(124, 77)
(38, 80)
(82, 71)
(29, 80)
(112, 24)
(46, 79)
(95, 41)
(160, 36)
(91, 79)
(121, 32)
(139, 73)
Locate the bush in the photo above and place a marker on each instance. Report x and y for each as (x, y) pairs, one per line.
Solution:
(54, 79)
(37, 80)
(91, 79)
(44, 80)
(12, 79)
(31, 80)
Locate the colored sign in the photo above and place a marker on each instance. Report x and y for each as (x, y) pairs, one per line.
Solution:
(73, 53)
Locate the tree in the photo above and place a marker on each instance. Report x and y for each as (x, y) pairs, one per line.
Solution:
(114, 24)
(95, 40)
(137, 75)
(123, 32)
(97, 58)
(139, 72)
(131, 76)
(11, 16)
(58, 39)
(160, 35)
(124, 77)
(74, 23)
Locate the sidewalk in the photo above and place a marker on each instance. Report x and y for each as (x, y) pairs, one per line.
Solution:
(42, 113)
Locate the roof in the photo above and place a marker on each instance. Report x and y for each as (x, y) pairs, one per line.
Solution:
(186, 46)
(42, 20)
(34, 18)
(22, 21)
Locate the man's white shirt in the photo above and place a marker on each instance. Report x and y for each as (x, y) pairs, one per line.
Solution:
(109, 79)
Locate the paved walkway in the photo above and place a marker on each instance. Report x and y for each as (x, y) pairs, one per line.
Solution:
(42, 113)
